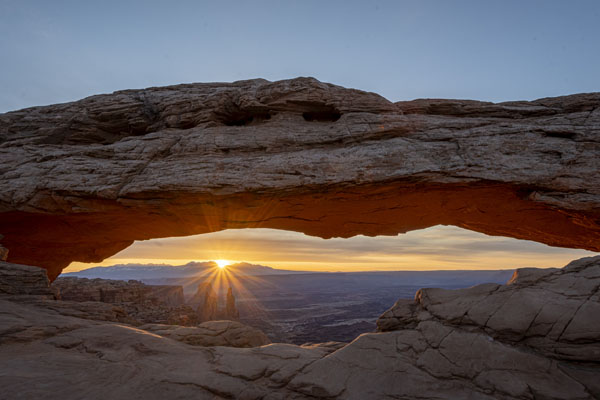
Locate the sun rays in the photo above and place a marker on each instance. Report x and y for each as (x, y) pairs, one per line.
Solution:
(222, 263)
(231, 276)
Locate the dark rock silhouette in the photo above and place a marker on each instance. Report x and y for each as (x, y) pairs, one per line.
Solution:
(231, 311)
(205, 301)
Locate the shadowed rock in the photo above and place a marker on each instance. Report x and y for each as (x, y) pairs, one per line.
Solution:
(212, 333)
(205, 301)
(231, 311)
(433, 353)
(554, 312)
(83, 180)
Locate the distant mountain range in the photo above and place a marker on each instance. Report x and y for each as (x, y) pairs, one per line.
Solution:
(161, 271)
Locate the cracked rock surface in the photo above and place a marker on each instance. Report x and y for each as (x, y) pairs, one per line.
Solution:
(212, 333)
(443, 345)
(83, 180)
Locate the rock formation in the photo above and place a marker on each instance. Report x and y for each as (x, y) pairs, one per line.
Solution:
(554, 312)
(205, 301)
(231, 311)
(115, 291)
(479, 343)
(212, 333)
(82, 180)
(141, 303)
(3, 251)
(18, 279)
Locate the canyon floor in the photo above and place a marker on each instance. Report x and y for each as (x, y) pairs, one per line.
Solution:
(536, 337)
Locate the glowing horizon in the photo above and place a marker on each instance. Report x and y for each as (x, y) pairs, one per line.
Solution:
(435, 248)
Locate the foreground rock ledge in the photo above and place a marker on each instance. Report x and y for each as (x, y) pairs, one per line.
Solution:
(82, 180)
(525, 350)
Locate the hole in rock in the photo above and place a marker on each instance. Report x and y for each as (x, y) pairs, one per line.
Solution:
(326, 115)
(302, 289)
(242, 118)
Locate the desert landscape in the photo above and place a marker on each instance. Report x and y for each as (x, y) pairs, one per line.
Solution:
(189, 209)
(533, 337)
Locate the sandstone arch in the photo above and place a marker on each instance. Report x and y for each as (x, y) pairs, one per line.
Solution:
(82, 180)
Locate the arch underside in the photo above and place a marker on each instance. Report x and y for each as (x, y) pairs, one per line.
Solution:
(54, 241)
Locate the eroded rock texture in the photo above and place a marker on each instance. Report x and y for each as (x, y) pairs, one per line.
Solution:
(116, 291)
(18, 279)
(554, 311)
(212, 333)
(82, 180)
(140, 302)
(431, 353)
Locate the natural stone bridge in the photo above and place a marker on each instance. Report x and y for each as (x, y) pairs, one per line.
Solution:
(83, 180)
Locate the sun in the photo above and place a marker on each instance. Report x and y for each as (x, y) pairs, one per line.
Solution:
(222, 263)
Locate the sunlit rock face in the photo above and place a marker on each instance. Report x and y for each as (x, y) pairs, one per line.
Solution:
(82, 180)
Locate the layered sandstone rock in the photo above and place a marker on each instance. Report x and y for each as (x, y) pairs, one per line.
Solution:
(142, 303)
(82, 180)
(555, 312)
(212, 333)
(433, 353)
(116, 291)
(16, 279)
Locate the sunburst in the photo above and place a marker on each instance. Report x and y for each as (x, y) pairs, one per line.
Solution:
(222, 263)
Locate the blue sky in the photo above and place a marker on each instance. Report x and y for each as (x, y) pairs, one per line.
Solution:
(57, 51)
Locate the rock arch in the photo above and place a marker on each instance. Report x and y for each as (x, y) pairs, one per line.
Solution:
(83, 180)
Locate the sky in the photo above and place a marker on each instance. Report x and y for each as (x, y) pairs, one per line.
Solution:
(58, 51)
(435, 248)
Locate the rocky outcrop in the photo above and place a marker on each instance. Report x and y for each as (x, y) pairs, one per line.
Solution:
(231, 311)
(140, 302)
(83, 180)
(205, 301)
(18, 280)
(553, 312)
(212, 333)
(431, 353)
(116, 291)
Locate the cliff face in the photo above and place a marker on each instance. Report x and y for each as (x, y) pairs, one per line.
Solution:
(82, 180)
(115, 291)
(142, 303)
(22, 280)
